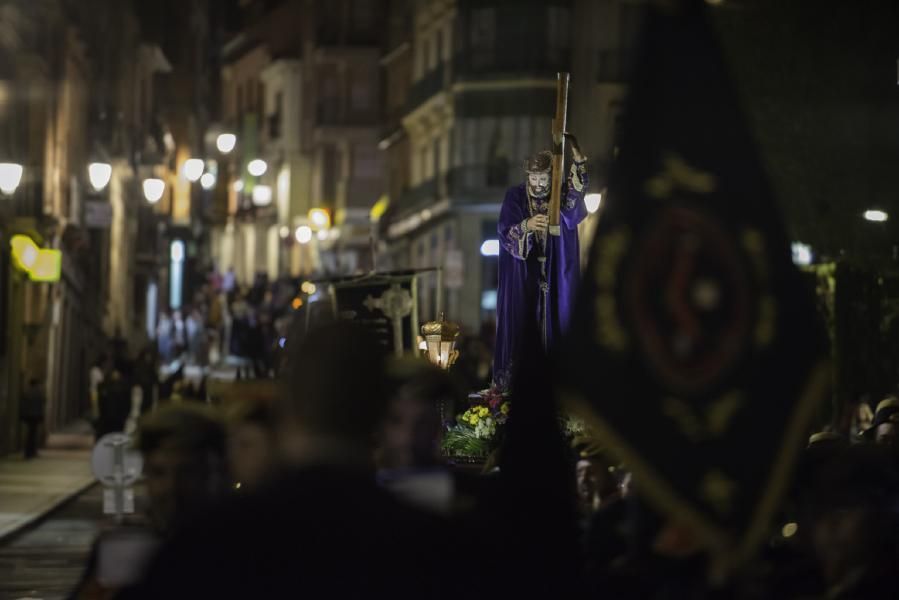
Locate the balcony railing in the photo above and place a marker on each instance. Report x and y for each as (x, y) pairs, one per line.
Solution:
(426, 87)
(482, 184)
(615, 66)
(512, 57)
(329, 114)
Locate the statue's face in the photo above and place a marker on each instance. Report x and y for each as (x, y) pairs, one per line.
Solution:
(538, 184)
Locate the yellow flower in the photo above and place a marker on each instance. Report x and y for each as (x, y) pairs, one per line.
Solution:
(504, 408)
(473, 419)
(483, 411)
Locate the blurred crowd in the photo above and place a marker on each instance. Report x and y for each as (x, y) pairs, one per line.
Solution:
(330, 481)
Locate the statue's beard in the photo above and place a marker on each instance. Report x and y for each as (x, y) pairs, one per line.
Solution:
(539, 191)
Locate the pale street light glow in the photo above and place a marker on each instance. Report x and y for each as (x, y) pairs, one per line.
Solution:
(238, 186)
(99, 174)
(153, 189)
(877, 216)
(322, 235)
(207, 181)
(177, 251)
(490, 248)
(10, 177)
(304, 234)
(262, 195)
(225, 142)
(257, 167)
(320, 218)
(193, 168)
(284, 232)
(592, 201)
(802, 254)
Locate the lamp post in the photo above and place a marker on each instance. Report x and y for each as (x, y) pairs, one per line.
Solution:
(440, 341)
(153, 189)
(10, 177)
(225, 142)
(99, 174)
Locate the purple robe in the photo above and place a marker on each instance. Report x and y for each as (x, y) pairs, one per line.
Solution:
(526, 289)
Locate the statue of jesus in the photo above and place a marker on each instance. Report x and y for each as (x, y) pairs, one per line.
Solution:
(538, 272)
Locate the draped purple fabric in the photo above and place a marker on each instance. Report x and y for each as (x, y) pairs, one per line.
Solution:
(529, 288)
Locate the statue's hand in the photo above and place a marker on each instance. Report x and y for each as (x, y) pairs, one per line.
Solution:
(575, 148)
(538, 223)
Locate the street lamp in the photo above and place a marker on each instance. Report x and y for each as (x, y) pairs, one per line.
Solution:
(303, 234)
(440, 341)
(238, 186)
(877, 216)
(99, 174)
(490, 248)
(262, 195)
(10, 177)
(257, 167)
(207, 181)
(153, 189)
(592, 201)
(193, 168)
(225, 142)
(284, 232)
(320, 218)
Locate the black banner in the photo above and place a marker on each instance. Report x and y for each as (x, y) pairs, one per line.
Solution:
(695, 350)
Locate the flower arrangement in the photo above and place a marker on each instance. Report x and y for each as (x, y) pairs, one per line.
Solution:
(476, 431)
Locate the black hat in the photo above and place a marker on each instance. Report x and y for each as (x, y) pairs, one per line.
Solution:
(887, 412)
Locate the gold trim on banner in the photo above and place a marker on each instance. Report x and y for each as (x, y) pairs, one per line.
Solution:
(725, 555)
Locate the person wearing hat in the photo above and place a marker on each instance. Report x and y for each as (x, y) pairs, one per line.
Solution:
(886, 419)
(538, 272)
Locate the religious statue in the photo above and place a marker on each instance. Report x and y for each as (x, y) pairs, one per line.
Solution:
(538, 265)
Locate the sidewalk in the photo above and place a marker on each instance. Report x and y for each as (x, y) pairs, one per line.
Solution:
(29, 489)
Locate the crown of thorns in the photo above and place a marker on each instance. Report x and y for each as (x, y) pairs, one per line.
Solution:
(542, 162)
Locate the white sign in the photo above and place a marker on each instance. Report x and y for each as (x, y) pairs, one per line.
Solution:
(97, 215)
(126, 504)
(114, 462)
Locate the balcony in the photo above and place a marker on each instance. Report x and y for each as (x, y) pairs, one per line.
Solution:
(329, 114)
(433, 82)
(482, 184)
(419, 197)
(615, 66)
(531, 57)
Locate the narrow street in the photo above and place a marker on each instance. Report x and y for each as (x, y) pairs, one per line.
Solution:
(46, 559)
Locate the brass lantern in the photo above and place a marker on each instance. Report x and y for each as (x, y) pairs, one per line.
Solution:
(440, 340)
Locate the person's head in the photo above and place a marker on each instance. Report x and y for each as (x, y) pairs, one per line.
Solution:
(251, 441)
(184, 462)
(538, 169)
(595, 474)
(883, 430)
(846, 508)
(411, 433)
(334, 398)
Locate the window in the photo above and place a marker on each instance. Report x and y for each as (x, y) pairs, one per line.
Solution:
(363, 16)
(274, 121)
(361, 94)
(329, 175)
(558, 33)
(483, 37)
(366, 162)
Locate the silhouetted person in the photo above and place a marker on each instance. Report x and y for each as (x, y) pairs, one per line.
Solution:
(183, 448)
(114, 402)
(325, 529)
(31, 411)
